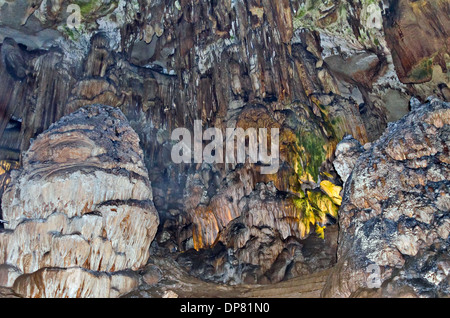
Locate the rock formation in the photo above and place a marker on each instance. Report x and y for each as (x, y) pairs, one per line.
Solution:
(80, 205)
(394, 219)
(347, 152)
(264, 243)
(418, 33)
(316, 70)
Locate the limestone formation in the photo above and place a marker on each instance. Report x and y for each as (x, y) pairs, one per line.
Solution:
(417, 31)
(316, 70)
(80, 204)
(74, 282)
(347, 152)
(394, 219)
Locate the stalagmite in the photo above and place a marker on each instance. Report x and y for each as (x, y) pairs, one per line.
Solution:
(80, 204)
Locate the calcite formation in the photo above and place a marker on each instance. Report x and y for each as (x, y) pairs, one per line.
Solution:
(394, 219)
(80, 204)
(347, 152)
(256, 236)
(317, 70)
(74, 282)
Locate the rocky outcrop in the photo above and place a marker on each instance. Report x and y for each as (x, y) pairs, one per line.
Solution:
(229, 64)
(81, 204)
(317, 70)
(418, 33)
(394, 219)
(264, 242)
(346, 154)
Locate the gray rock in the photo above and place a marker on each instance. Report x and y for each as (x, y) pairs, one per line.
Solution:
(347, 152)
(394, 220)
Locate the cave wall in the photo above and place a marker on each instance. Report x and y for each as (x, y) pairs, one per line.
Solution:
(316, 70)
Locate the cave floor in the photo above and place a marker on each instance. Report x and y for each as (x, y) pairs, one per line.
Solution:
(175, 279)
(185, 286)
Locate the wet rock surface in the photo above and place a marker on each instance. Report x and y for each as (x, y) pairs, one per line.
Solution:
(394, 219)
(80, 204)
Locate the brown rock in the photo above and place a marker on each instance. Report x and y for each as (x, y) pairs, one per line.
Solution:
(73, 283)
(81, 200)
(151, 275)
(8, 275)
(417, 33)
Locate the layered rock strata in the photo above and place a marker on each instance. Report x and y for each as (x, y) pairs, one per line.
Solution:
(81, 204)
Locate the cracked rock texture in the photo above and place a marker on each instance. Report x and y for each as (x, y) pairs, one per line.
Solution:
(317, 70)
(347, 152)
(81, 204)
(395, 212)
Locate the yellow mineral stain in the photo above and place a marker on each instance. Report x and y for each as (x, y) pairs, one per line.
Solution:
(332, 190)
(5, 167)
